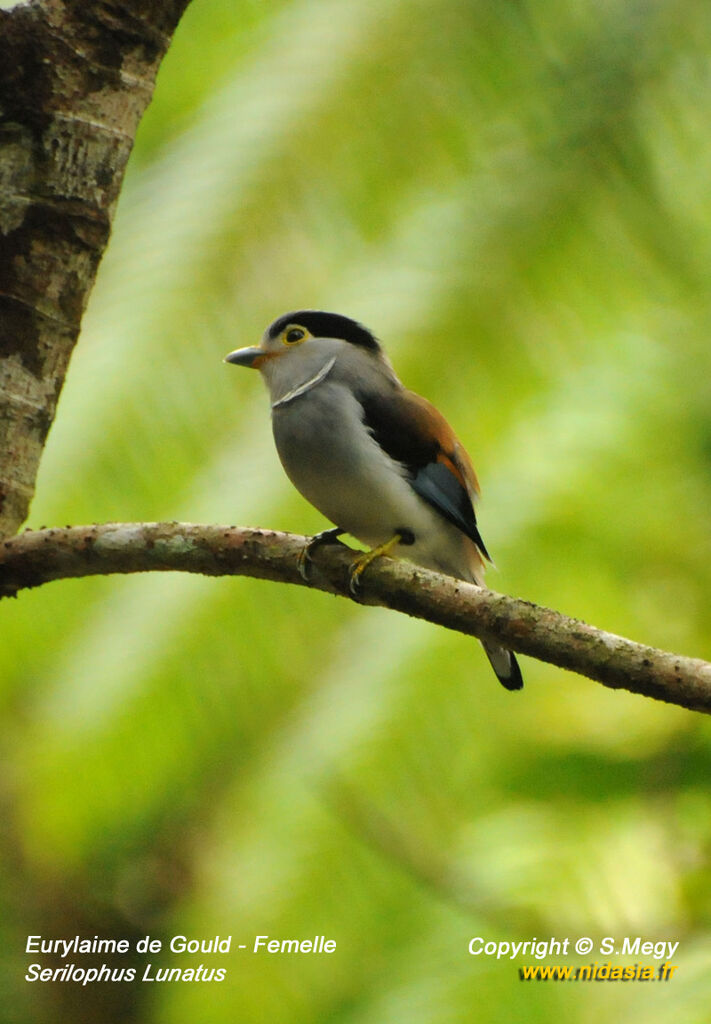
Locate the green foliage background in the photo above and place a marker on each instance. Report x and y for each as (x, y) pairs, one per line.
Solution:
(515, 197)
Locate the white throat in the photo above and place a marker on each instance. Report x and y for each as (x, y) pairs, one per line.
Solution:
(301, 389)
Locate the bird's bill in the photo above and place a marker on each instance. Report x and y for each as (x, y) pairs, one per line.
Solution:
(246, 357)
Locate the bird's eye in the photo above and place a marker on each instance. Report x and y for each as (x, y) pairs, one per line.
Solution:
(294, 335)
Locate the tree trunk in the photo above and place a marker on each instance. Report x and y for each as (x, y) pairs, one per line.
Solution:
(75, 78)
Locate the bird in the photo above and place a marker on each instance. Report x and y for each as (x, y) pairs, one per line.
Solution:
(376, 459)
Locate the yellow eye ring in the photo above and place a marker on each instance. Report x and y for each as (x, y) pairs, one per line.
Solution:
(293, 335)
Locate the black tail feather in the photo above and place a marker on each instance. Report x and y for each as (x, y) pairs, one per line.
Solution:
(505, 665)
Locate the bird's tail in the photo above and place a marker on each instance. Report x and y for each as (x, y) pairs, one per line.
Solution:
(505, 665)
(502, 660)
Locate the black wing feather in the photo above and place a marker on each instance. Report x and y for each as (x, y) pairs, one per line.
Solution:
(397, 434)
(441, 489)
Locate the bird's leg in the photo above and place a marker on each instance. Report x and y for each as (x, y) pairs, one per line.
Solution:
(401, 536)
(325, 537)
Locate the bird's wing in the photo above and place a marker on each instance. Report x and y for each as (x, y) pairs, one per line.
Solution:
(415, 434)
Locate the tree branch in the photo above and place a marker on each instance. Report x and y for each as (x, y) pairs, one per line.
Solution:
(37, 557)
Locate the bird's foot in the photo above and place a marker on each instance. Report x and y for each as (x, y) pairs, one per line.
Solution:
(325, 537)
(403, 536)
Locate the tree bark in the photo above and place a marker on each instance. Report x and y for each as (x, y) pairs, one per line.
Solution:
(75, 79)
(36, 557)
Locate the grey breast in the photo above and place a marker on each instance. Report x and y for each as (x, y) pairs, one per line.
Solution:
(330, 457)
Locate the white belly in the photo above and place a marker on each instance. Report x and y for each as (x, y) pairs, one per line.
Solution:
(333, 461)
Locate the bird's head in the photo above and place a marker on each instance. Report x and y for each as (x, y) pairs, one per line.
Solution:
(304, 331)
(301, 344)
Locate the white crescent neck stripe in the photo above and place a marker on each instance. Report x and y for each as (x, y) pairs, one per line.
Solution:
(307, 385)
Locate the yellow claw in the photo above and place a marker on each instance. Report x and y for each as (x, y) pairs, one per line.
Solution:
(363, 561)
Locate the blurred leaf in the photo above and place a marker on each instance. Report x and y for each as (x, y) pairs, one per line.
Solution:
(515, 198)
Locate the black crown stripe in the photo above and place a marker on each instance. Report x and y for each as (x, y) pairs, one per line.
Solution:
(327, 325)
